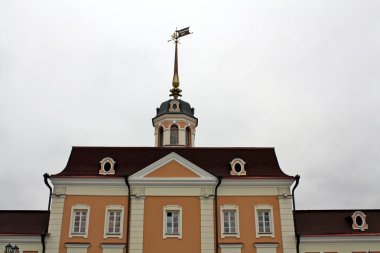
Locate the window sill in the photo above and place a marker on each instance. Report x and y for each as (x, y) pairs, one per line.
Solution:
(179, 236)
(265, 235)
(236, 235)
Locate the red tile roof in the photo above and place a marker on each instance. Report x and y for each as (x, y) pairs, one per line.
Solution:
(23, 222)
(260, 162)
(334, 222)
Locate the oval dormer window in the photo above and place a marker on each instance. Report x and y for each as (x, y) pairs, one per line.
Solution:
(107, 166)
(359, 221)
(238, 167)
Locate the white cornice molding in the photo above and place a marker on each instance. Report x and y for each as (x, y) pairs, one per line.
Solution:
(340, 239)
(279, 182)
(204, 178)
(230, 245)
(20, 239)
(174, 116)
(266, 245)
(88, 181)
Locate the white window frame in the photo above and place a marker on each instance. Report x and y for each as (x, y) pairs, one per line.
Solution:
(264, 208)
(106, 221)
(237, 228)
(73, 209)
(169, 208)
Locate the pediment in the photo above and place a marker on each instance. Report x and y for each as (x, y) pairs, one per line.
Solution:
(172, 169)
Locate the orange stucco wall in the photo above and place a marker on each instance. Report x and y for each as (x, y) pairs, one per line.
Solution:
(153, 225)
(247, 223)
(172, 169)
(98, 206)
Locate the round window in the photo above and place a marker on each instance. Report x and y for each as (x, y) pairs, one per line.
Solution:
(237, 167)
(107, 166)
(359, 221)
(174, 106)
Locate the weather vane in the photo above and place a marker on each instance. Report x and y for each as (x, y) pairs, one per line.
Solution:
(176, 92)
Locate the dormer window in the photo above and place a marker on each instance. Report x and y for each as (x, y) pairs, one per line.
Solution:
(174, 106)
(238, 167)
(359, 221)
(107, 166)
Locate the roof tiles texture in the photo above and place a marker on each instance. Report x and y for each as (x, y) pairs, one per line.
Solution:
(338, 222)
(23, 222)
(260, 162)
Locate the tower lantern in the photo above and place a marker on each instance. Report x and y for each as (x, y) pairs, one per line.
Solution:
(175, 123)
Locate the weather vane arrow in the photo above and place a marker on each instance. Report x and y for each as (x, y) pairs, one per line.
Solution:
(176, 92)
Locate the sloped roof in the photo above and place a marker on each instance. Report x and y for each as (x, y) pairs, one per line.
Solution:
(23, 222)
(260, 162)
(334, 222)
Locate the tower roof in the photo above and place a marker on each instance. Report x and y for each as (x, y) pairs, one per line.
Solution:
(184, 108)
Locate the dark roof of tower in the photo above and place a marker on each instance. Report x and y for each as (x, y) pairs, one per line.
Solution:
(184, 108)
(334, 222)
(260, 162)
(23, 222)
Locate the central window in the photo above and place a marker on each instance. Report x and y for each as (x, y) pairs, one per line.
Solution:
(172, 221)
(230, 221)
(174, 135)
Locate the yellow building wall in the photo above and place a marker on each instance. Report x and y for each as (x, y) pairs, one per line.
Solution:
(247, 223)
(96, 223)
(153, 225)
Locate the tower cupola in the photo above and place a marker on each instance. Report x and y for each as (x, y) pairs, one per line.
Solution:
(175, 123)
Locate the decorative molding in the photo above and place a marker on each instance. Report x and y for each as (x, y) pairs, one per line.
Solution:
(231, 245)
(106, 181)
(77, 245)
(112, 245)
(20, 239)
(266, 245)
(204, 178)
(241, 181)
(340, 239)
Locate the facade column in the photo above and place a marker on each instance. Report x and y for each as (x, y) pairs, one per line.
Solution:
(55, 224)
(287, 225)
(137, 225)
(207, 225)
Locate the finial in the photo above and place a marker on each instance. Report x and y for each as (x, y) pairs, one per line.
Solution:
(176, 92)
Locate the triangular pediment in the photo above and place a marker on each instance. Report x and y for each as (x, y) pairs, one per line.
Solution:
(172, 169)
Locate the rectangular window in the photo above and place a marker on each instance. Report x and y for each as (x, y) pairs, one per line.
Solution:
(229, 215)
(229, 224)
(264, 219)
(172, 226)
(172, 218)
(80, 221)
(114, 222)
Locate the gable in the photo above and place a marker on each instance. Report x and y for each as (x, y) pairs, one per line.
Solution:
(172, 169)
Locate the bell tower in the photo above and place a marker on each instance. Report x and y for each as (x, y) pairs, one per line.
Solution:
(174, 124)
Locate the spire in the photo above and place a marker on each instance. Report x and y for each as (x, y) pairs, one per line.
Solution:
(176, 91)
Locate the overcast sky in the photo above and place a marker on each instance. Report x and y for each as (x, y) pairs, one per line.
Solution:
(300, 76)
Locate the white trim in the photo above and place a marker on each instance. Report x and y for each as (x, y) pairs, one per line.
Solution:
(237, 228)
(20, 239)
(103, 162)
(172, 208)
(82, 207)
(112, 246)
(231, 245)
(340, 239)
(239, 181)
(265, 245)
(77, 245)
(205, 178)
(242, 171)
(261, 207)
(106, 181)
(106, 223)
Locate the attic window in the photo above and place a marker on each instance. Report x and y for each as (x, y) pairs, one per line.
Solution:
(238, 167)
(359, 221)
(107, 166)
(174, 106)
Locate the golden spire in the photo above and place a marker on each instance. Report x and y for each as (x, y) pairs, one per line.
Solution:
(176, 92)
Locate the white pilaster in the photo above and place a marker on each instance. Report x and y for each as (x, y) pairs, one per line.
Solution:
(55, 224)
(137, 225)
(287, 225)
(207, 225)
